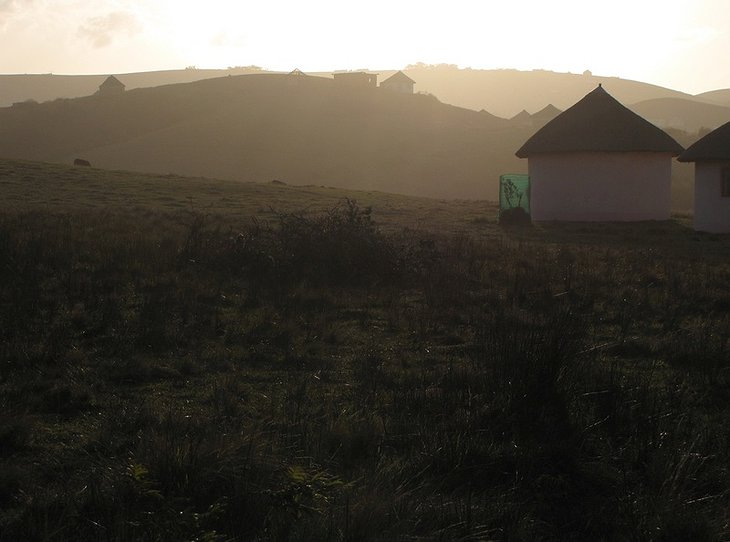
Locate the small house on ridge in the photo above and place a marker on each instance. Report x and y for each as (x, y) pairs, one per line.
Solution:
(398, 82)
(111, 87)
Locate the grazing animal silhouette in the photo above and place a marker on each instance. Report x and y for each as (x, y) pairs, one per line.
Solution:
(81, 162)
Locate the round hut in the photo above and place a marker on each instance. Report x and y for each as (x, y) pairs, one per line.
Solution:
(711, 156)
(599, 161)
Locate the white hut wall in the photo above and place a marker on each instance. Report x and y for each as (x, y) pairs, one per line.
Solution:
(712, 209)
(600, 186)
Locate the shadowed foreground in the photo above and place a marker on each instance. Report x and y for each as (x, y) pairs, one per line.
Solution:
(173, 374)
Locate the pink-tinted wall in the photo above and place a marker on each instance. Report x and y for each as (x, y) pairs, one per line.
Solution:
(600, 186)
(712, 210)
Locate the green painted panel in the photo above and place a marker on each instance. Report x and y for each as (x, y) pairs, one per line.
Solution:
(514, 191)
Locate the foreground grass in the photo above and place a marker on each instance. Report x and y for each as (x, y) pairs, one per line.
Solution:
(328, 373)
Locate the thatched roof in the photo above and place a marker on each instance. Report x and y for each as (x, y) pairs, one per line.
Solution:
(598, 122)
(714, 146)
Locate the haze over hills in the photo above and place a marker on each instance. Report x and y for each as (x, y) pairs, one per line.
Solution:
(47, 86)
(300, 130)
(719, 97)
(305, 130)
(683, 114)
(506, 92)
(503, 93)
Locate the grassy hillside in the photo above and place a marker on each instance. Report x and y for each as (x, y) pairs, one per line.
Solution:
(191, 359)
(53, 188)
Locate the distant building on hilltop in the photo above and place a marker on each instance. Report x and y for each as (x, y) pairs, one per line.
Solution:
(111, 87)
(398, 82)
(711, 155)
(599, 161)
(296, 77)
(523, 118)
(356, 79)
(536, 120)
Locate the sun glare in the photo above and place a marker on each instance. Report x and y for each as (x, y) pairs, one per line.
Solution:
(651, 40)
(569, 36)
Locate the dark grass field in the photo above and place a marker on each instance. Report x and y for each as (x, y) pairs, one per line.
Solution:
(192, 359)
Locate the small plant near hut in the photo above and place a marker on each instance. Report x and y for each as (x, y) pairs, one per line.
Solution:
(513, 213)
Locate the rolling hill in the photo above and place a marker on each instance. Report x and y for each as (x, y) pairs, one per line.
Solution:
(720, 97)
(299, 130)
(507, 92)
(43, 87)
(501, 92)
(266, 126)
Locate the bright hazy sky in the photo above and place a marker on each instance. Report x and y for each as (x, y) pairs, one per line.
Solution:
(680, 44)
